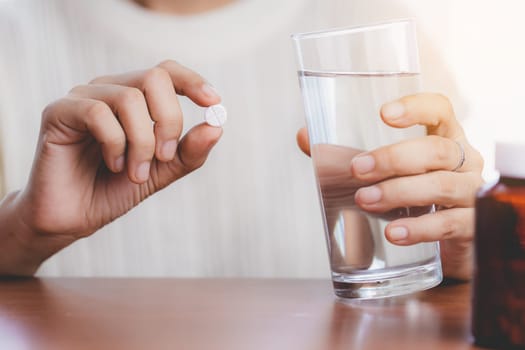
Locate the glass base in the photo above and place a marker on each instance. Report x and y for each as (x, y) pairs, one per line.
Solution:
(388, 284)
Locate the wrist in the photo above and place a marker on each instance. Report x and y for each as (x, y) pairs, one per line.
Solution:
(23, 249)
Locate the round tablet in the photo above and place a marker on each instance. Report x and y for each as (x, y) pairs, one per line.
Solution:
(215, 115)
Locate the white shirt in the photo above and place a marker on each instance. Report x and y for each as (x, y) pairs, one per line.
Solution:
(252, 209)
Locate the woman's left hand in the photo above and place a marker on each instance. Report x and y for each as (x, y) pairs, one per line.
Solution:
(441, 168)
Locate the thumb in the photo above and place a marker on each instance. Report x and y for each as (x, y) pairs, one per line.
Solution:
(434, 111)
(196, 145)
(192, 152)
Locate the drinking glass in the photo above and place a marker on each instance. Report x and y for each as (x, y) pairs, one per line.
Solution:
(346, 75)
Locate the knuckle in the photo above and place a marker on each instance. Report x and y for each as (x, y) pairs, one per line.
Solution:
(168, 64)
(390, 158)
(452, 224)
(191, 165)
(194, 79)
(475, 182)
(77, 89)
(448, 108)
(449, 229)
(186, 164)
(440, 149)
(478, 182)
(188, 81)
(476, 159)
(447, 186)
(191, 79)
(99, 80)
(130, 96)
(96, 110)
(186, 78)
(50, 110)
(156, 75)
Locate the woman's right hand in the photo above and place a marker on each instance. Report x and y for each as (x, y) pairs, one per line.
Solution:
(108, 145)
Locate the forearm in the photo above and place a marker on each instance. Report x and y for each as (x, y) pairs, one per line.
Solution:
(21, 249)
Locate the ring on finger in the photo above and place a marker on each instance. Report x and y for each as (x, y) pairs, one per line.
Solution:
(462, 156)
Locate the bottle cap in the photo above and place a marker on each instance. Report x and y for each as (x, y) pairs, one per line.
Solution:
(510, 159)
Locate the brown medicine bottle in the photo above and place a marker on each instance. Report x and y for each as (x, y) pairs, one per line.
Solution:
(498, 296)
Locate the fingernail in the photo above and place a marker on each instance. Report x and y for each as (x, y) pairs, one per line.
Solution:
(209, 91)
(119, 164)
(369, 195)
(363, 164)
(393, 110)
(142, 173)
(168, 149)
(398, 233)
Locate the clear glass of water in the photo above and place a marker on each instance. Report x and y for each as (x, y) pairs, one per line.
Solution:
(346, 75)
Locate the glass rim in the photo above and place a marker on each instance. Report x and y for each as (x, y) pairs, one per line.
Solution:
(349, 30)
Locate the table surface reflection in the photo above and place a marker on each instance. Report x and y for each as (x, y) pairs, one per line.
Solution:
(152, 313)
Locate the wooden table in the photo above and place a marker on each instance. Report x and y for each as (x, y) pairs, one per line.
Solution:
(96, 313)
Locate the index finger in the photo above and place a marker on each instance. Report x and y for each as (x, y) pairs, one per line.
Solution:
(190, 84)
(431, 110)
(186, 82)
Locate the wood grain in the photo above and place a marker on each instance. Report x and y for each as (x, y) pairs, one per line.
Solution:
(98, 313)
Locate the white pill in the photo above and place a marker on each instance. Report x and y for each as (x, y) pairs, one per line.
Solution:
(216, 115)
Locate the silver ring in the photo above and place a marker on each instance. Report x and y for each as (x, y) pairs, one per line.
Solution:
(462, 158)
